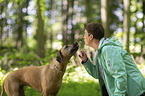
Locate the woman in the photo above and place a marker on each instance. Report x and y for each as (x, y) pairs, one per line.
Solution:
(117, 73)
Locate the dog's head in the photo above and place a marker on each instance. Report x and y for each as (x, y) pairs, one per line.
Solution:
(67, 51)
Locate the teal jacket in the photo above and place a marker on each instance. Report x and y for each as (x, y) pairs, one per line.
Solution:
(121, 76)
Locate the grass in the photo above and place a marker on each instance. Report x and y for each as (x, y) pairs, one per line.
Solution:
(76, 82)
(80, 89)
(79, 83)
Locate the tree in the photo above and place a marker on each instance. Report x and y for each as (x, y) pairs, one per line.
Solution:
(71, 29)
(143, 30)
(20, 26)
(64, 20)
(4, 32)
(53, 7)
(1, 25)
(40, 29)
(105, 16)
(126, 24)
(88, 12)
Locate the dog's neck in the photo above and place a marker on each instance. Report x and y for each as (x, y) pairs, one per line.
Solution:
(62, 72)
(61, 66)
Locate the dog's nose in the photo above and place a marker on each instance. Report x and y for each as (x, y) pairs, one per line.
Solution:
(75, 44)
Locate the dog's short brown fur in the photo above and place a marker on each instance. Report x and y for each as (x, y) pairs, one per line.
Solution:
(46, 79)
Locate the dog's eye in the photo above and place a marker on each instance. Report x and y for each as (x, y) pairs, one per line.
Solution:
(66, 47)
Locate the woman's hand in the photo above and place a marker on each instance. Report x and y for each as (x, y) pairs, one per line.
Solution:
(82, 55)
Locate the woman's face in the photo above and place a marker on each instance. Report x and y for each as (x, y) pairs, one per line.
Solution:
(87, 37)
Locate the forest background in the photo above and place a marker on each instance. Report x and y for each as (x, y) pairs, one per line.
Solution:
(32, 32)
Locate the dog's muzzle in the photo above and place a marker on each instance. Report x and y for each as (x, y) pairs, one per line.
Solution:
(75, 47)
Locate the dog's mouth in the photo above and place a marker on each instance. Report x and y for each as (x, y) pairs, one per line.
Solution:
(75, 48)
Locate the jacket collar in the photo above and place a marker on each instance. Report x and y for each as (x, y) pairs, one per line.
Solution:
(100, 43)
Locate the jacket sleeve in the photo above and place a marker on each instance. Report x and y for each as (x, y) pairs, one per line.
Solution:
(91, 68)
(116, 67)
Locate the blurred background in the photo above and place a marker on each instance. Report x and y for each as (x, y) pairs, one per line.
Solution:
(32, 32)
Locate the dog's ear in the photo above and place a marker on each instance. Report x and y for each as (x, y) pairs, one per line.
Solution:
(59, 57)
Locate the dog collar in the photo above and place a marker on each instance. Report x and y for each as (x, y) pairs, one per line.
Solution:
(58, 68)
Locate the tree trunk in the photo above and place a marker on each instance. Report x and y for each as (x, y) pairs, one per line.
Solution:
(64, 20)
(88, 10)
(126, 24)
(143, 31)
(135, 25)
(105, 17)
(20, 27)
(5, 30)
(53, 7)
(26, 22)
(1, 26)
(71, 13)
(40, 32)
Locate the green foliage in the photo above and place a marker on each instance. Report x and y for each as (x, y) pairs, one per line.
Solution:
(77, 82)
(11, 58)
(31, 92)
(80, 89)
(20, 1)
(1, 1)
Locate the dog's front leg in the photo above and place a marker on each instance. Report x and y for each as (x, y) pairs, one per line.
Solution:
(45, 93)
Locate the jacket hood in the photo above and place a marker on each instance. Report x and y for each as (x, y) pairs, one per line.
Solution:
(110, 42)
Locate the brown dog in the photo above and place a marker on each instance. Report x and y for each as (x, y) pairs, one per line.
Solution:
(46, 79)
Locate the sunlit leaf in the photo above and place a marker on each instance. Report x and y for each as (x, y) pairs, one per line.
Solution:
(1, 1)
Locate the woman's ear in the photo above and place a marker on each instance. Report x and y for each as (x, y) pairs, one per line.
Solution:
(91, 37)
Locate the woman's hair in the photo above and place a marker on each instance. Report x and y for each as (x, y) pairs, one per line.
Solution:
(95, 29)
